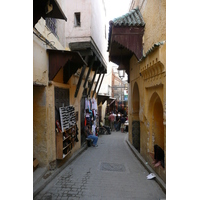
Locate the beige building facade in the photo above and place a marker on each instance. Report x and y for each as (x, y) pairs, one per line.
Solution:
(145, 64)
(148, 83)
(62, 75)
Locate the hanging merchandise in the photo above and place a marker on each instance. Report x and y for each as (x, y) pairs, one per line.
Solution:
(87, 104)
(94, 104)
(88, 117)
(94, 114)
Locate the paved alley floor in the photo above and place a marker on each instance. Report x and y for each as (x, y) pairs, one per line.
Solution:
(109, 172)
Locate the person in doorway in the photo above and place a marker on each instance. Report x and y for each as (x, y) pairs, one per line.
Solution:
(90, 135)
(158, 156)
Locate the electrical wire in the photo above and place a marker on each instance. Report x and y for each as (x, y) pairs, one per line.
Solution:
(43, 39)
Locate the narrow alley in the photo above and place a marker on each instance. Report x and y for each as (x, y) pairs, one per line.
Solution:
(109, 171)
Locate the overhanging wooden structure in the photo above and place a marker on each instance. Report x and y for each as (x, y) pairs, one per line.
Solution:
(125, 39)
(47, 9)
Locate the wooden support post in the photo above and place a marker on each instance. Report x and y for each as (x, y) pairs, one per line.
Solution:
(79, 81)
(100, 83)
(96, 85)
(93, 79)
(90, 67)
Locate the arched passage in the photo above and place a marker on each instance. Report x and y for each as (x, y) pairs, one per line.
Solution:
(136, 122)
(156, 123)
(136, 99)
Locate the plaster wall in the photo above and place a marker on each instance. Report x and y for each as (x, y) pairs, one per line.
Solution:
(44, 148)
(135, 78)
(60, 25)
(154, 82)
(107, 81)
(42, 28)
(79, 33)
(51, 136)
(44, 136)
(98, 26)
(40, 125)
(150, 76)
(93, 24)
(154, 15)
(40, 55)
(40, 62)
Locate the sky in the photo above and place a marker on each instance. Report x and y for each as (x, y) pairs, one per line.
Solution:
(117, 8)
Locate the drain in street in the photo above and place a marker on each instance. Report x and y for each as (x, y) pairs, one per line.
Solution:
(112, 167)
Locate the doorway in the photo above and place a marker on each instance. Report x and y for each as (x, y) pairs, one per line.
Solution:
(135, 120)
(156, 122)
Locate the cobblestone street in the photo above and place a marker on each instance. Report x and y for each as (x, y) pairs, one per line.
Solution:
(110, 171)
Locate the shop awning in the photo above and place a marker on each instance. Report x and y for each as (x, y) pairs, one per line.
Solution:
(102, 98)
(47, 9)
(69, 60)
(111, 100)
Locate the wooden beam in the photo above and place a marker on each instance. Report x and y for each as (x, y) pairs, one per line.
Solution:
(90, 67)
(79, 81)
(96, 85)
(100, 83)
(86, 52)
(93, 79)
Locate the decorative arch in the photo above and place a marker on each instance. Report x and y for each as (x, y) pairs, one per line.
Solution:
(136, 99)
(156, 122)
(135, 117)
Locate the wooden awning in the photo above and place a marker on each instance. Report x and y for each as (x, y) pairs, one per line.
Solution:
(125, 39)
(69, 60)
(125, 42)
(111, 101)
(102, 98)
(47, 9)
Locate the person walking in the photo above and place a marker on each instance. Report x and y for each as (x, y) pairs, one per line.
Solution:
(122, 123)
(111, 119)
(118, 123)
(114, 120)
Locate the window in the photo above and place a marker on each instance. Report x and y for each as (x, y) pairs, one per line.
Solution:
(77, 19)
(51, 24)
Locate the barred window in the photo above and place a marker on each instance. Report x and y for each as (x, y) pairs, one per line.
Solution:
(51, 24)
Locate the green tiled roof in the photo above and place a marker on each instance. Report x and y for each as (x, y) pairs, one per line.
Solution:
(156, 45)
(132, 18)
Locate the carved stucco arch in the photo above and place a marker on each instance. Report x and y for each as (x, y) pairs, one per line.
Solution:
(135, 99)
(155, 118)
(135, 117)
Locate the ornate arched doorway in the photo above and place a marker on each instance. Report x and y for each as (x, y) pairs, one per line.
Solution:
(156, 123)
(135, 121)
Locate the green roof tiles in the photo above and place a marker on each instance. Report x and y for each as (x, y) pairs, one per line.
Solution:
(152, 49)
(132, 18)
